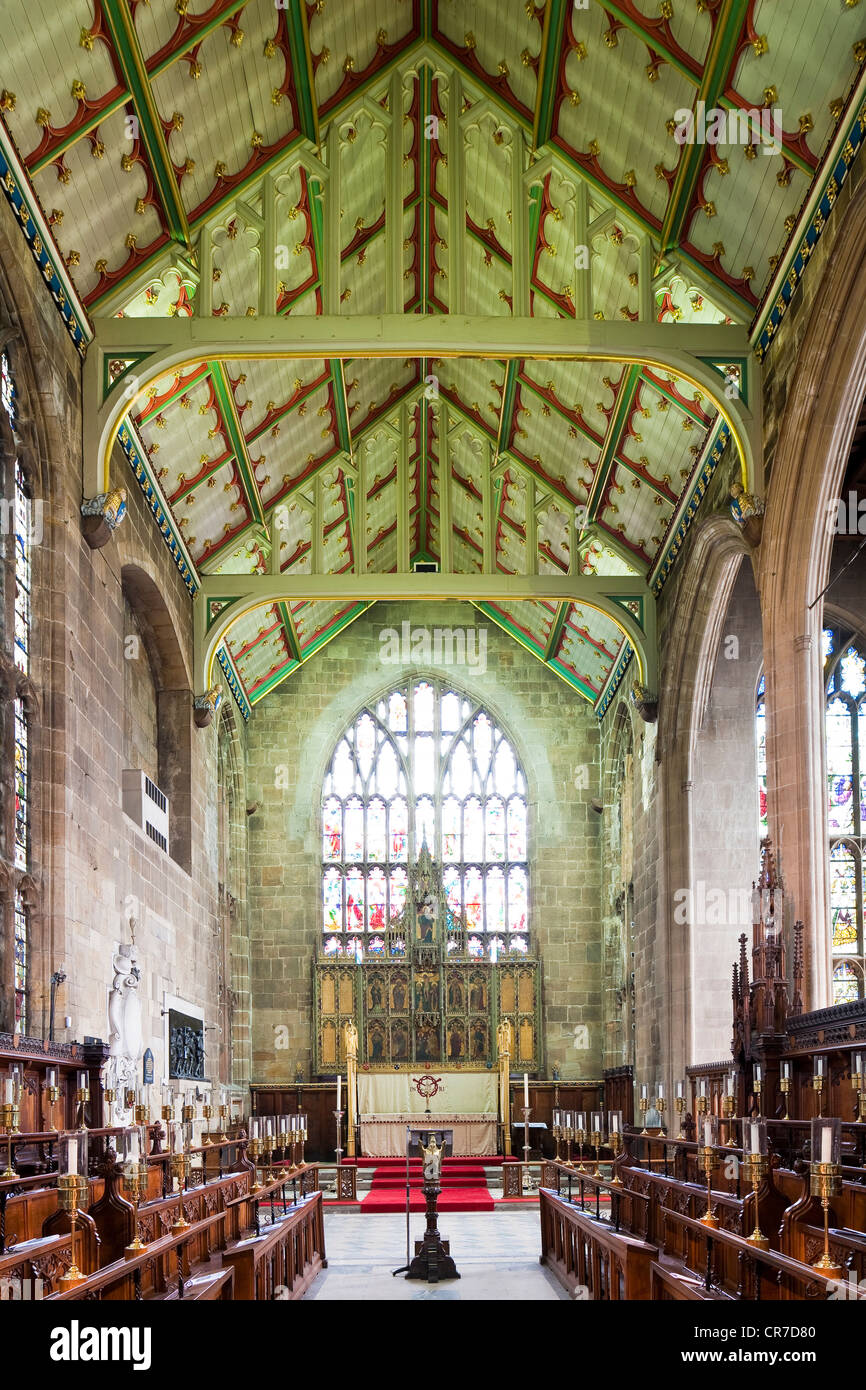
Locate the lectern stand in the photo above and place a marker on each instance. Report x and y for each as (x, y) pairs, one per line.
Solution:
(432, 1254)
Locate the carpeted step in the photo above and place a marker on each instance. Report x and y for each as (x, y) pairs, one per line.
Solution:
(450, 1199)
(488, 1160)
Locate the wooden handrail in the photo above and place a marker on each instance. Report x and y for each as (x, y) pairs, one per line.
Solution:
(777, 1261)
(118, 1270)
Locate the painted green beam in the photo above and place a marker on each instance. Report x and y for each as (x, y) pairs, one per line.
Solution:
(302, 69)
(122, 29)
(622, 408)
(554, 637)
(291, 631)
(228, 409)
(548, 71)
(720, 56)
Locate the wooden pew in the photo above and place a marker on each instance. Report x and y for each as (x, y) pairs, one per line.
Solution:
(125, 1277)
(47, 1258)
(288, 1255)
(588, 1254)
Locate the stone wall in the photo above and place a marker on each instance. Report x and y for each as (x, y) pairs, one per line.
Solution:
(92, 868)
(296, 728)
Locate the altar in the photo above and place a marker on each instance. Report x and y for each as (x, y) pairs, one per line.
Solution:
(384, 1136)
(465, 1101)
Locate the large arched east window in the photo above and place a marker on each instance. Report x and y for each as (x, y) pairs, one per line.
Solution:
(424, 763)
(845, 725)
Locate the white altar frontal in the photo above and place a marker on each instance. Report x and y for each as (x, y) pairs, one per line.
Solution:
(466, 1102)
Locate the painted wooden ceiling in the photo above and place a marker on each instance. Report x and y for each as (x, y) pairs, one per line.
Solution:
(167, 140)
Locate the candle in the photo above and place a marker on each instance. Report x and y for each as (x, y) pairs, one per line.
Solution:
(826, 1144)
(644, 1090)
(755, 1140)
(133, 1144)
(786, 1071)
(10, 1091)
(614, 1122)
(72, 1156)
(51, 1076)
(339, 1090)
(81, 1082)
(526, 1089)
(660, 1090)
(819, 1066)
(708, 1133)
(681, 1090)
(757, 1073)
(703, 1086)
(730, 1083)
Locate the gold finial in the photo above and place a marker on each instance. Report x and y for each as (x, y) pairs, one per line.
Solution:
(219, 169)
(127, 163)
(7, 100)
(257, 140)
(43, 118)
(237, 37)
(760, 45)
(79, 91)
(85, 40)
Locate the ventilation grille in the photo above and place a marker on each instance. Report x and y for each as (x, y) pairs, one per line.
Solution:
(144, 803)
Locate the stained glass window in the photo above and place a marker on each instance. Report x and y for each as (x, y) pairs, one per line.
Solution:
(845, 734)
(424, 763)
(761, 740)
(21, 964)
(21, 512)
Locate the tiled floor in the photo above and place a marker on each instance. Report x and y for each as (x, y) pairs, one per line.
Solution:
(495, 1252)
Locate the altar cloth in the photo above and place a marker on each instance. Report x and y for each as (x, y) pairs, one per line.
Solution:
(384, 1136)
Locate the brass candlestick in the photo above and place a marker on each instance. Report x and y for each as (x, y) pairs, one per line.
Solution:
(818, 1088)
(557, 1134)
(207, 1112)
(861, 1104)
(660, 1107)
(616, 1144)
(82, 1098)
(826, 1182)
(180, 1169)
(756, 1161)
(757, 1087)
(9, 1118)
(71, 1190)
(568, 1135)
(643, 1107)
(223, 1115)
(580, 1140)
(595, 1138)
(707, 1156)
(52, 1095)
(680, 1103)
(729, 1107)
(755, 1166)
(785, 1087)
(254, 1149)
(135, 1180)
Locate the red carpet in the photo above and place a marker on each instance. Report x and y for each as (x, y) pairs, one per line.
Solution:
(464, 1187)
